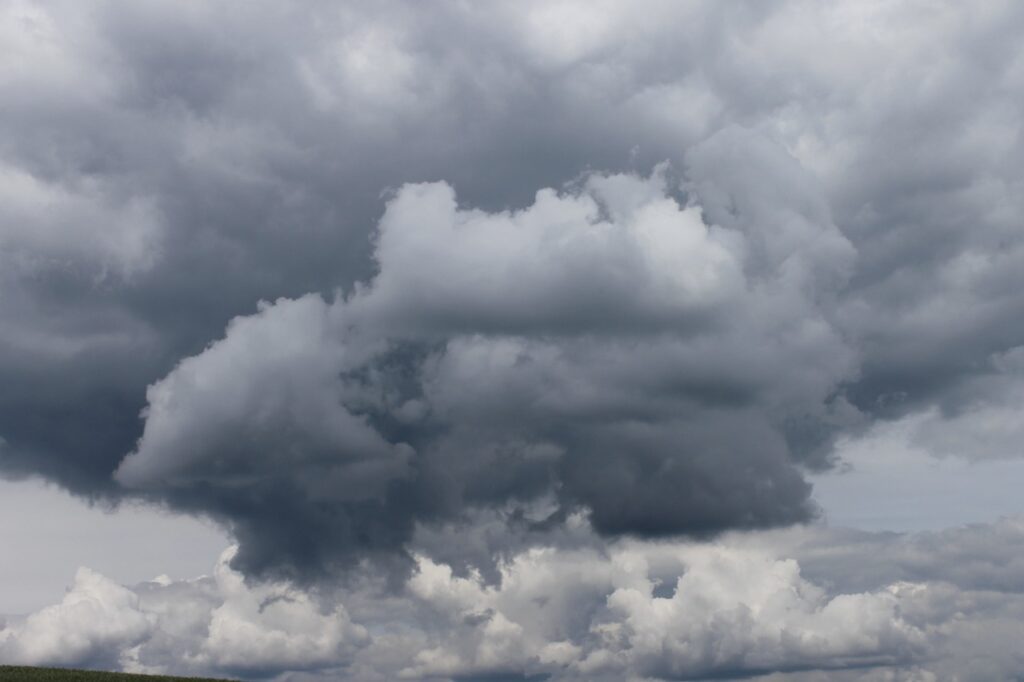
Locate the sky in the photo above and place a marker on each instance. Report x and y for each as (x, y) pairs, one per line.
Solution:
(513, 341)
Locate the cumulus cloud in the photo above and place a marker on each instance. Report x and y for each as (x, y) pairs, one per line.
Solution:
(161, 151)
(662, 612)
(640, 263)
(212, 623)
(96, 620)
(591, 346)
(622, 252)
(810, 603)
(820, 211)
(273, 627)
(279, 368)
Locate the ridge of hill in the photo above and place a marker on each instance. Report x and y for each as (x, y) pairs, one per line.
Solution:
(9, 673)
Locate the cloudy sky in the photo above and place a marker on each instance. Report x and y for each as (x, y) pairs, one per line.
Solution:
(513, 341)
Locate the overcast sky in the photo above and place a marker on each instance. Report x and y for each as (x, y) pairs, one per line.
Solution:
(513, 341)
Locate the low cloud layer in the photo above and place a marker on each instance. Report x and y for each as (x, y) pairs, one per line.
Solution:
(210, 623)
(812, 603)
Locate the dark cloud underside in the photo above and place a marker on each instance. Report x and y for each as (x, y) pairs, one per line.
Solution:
(639, 262)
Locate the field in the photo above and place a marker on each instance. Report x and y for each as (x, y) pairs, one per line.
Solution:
(19, 674)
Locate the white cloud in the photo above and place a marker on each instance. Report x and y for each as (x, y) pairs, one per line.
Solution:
(632, 610)
(579, 614)
(96, 620)
(207, 624)
(273, 626)
(554, 262)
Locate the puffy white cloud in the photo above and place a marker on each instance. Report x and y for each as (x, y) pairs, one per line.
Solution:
(95, 621)
(211, 624)
(273, 627)
(623, 252)
(659, 611)
(810, 603)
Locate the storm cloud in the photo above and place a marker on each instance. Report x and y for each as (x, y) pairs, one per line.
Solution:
(591, 348)
(420, 287)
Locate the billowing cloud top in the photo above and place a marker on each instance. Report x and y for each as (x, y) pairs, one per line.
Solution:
(363, 283)
(591, 350)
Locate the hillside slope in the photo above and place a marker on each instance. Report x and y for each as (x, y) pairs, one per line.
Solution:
(23, 674)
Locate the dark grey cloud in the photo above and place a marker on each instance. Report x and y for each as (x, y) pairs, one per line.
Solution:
(320, 435)
(482, 299)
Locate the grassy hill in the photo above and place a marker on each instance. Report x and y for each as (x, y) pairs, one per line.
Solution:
(19, 674)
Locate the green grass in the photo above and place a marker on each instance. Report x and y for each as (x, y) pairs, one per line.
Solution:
(10, 673)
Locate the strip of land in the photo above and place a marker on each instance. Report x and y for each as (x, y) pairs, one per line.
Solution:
(22, 674)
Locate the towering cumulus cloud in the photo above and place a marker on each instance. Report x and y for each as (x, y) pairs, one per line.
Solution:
(590, 351)
(449, 305)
